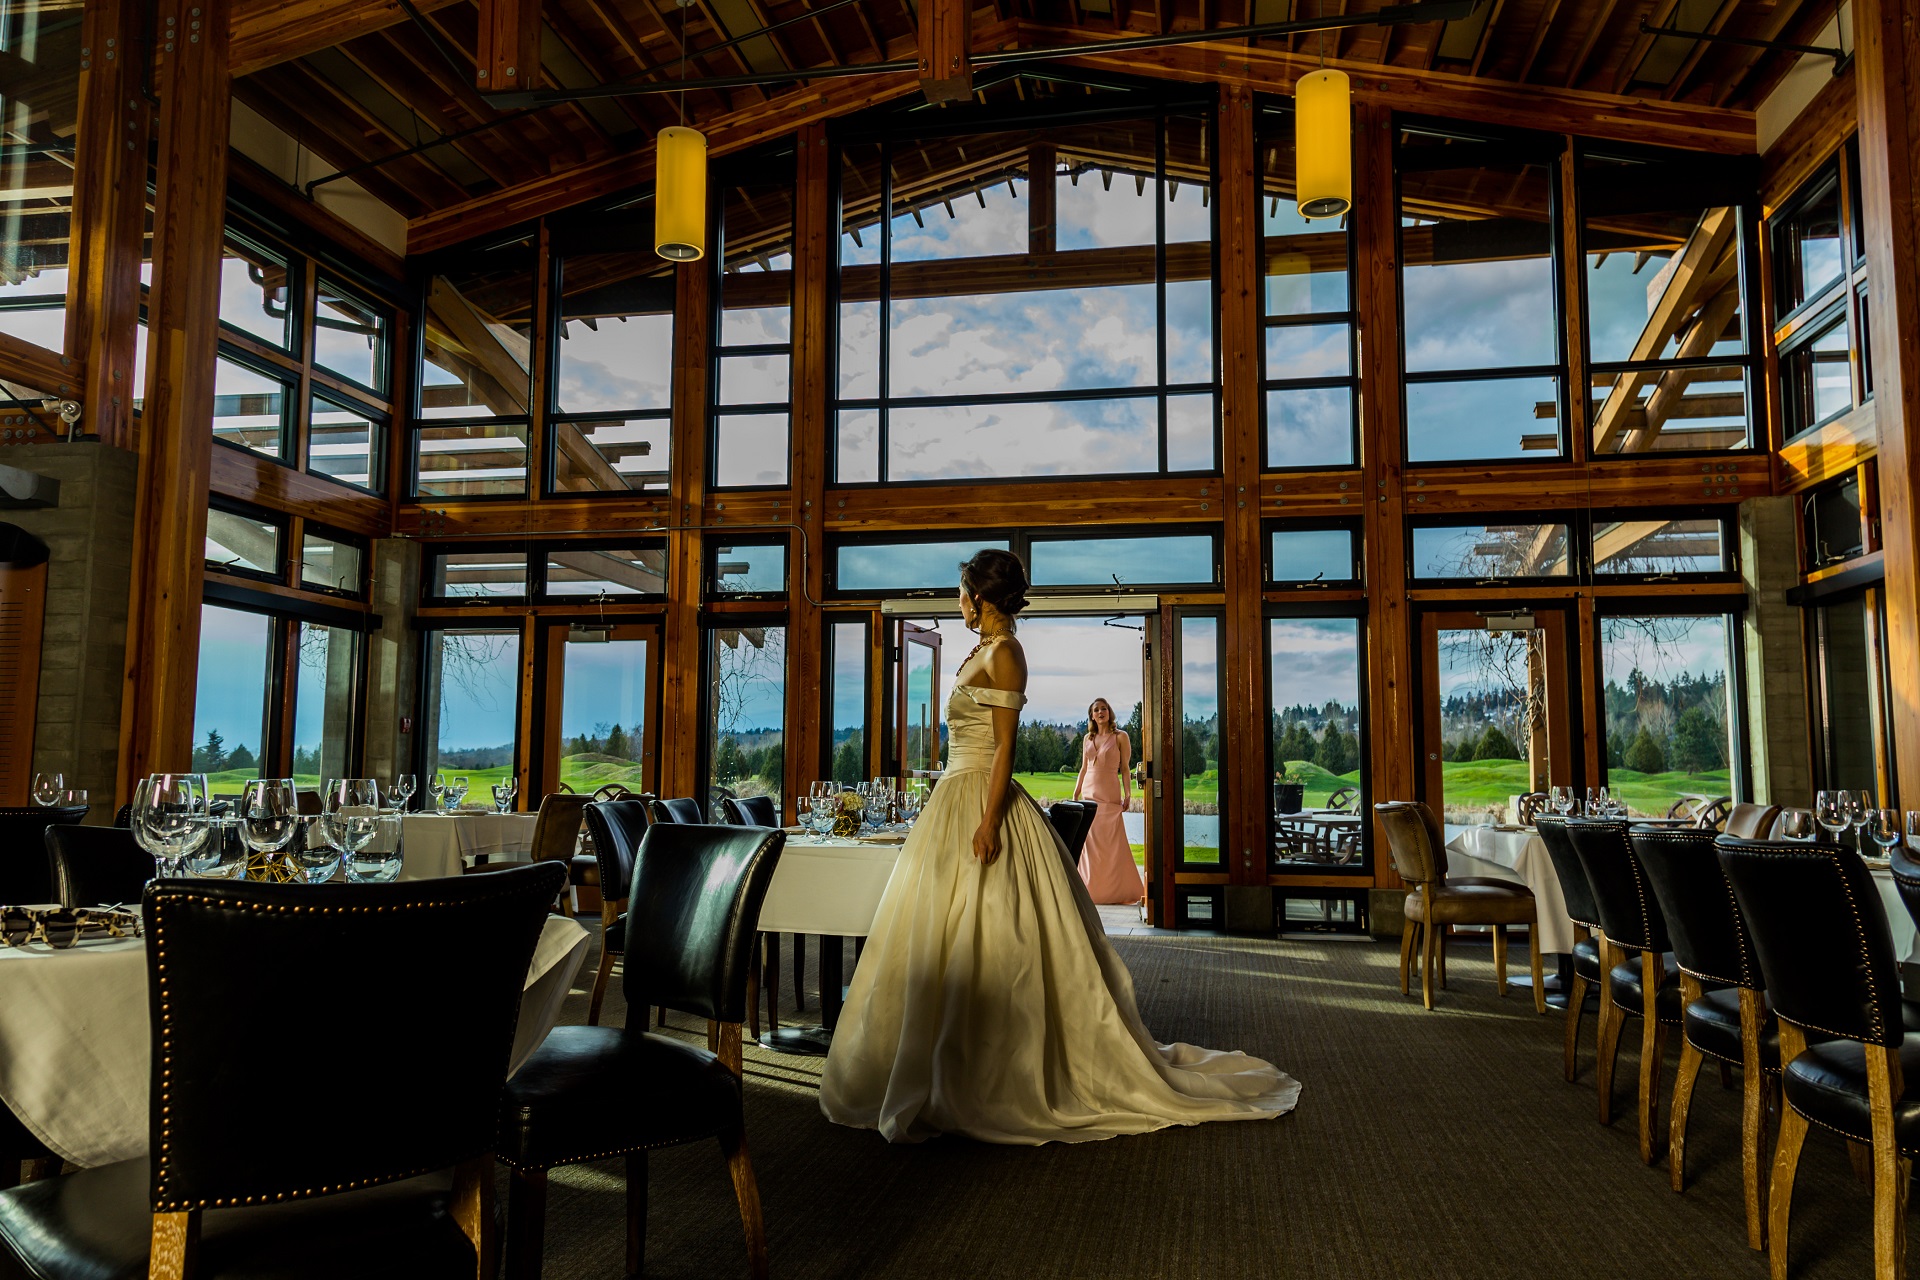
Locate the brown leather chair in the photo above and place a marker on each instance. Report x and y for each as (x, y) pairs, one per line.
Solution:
(556, 831)
(1435, 902)
(1750, 821)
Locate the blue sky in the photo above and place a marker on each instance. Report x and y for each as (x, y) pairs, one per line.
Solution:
(230, 694)
(605, 684)
(1315, 660)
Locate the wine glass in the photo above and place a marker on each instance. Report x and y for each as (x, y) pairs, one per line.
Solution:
(502, 796)
(1883, 828)
(457, 791)
(826, 801)
(378, 861)
(1562, 800)
(1830, 811)
(47, 788)
(1798, 824)
(224, 854)
(1593, 802)
(437, 788)
(512, 785)
(803, 810)
(1860, 808)
(403, 786)
(73, 797)
(269, 814)
(174, 814)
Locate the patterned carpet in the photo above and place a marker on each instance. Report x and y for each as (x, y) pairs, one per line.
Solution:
(1439, 1144)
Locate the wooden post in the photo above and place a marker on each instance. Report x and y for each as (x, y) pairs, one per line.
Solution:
(508, 57)
(176, 441)
(1886, 49)
(685, 663)
(1390, 658)
(946, 45)
(109, 217)
(814, 244)
(1041, 236)
(1245, 719)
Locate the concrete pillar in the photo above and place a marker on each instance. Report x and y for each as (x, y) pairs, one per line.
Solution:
(1777, 732)
(393, 661)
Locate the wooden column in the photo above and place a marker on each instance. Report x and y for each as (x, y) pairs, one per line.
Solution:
(176, 439)
(684, 666)
(814, 243)
(1390, 660)
(1886, 53)
(946, 44)
(1041, 236)
(1244, 717)
(109, 217)
(508, 56)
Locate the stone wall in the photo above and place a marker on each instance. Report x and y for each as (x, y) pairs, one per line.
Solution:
(393, 657)
(1776, 653)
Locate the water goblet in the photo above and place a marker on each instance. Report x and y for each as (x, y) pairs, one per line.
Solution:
(1562, 799)
(502, 797)
(437, 788)
(1860, 808)
(457, 792)
(1797, 824)
(1830, 811)
(1593, 801)
(826, 804)
(223, 856)
(316, 858)
(269, 814)
(47, 788)
(403, 786)
(513, 788)
(1883, 828)
(803, 811)
(174, 814)
(378, 861)
(73, 797)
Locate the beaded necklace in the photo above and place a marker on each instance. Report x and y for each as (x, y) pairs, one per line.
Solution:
(985, 640)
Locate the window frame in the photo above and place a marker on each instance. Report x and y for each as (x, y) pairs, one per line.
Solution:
(1354, 526)
(1578, 554)
(339, 538)
(1357, 611)
(282, 526)
(1722, 515)
(433, 554)
(711, 591)
(1019, 540)
(539, 592)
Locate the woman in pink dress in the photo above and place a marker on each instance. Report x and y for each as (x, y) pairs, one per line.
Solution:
(1106, 779)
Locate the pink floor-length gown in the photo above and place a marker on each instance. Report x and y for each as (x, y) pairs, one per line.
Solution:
(1106, 861)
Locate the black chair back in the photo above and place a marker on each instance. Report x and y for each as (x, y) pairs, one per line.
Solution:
(224, 1023)
(1629, 915)
(1821, 936)
(1574, 888)
(1709, 937)
(616, 828)
(97, 866)
(123, 816)
(678, 809)
(693, 914)
(1906, 879)
(26, 876)
(1073, 819)
(750, 811)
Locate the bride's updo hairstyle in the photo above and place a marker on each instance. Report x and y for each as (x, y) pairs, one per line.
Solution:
(998, 578)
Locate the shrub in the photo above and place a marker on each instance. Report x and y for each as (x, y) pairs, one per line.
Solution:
(1644, 755)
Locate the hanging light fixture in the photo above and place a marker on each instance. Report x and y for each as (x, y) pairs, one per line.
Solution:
(680, 180)
(1323, 144)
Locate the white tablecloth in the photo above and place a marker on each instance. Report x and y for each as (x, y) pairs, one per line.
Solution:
(1516, 855)
(435, 844)
(74, 1045)
(831, 888)
(1906, 938)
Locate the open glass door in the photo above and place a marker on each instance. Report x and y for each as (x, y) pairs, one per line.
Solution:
(1496, 711)
(1146, 772)
(601, 681)
(916, 711)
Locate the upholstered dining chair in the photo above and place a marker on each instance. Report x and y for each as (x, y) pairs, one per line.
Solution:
(750, 811)
(1831, 974)
(1072, 819)
(350, 1179)
(26, 877)
(97, 866)
(556, 831)
(764, 811)
(592, 1093)
(1724, 1015)
(1637, 985)
(1578, 896)
(1750, 821)
(678, 809)
(1435, 902)
(585, 872)
(616, 828)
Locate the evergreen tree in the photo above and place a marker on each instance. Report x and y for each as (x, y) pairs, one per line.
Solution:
(1696, 742)
(1616, 750)
(211, 755)
(728, 764)
(1193, 752)
(773, 763)
(1643, 755)
(241, 758)
(1132, 729)
(1296, 744)
(617, 745)
(1447, 752)
(1495, 745)
(850, 761)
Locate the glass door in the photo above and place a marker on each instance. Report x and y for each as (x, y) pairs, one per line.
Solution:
(601, 683)
(1497, 712)
(916, 710)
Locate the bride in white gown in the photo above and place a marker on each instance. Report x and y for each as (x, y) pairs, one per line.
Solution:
(988, 1001)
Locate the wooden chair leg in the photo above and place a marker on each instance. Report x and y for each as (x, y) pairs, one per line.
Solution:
(1576, 1010)
(1753, 1119)
(1428, 930)
(472, 1205)
(1653, 1042)
(1607, 1041)
(1786, 1162)
(526, 1223)
(1406, 954)
(1891, 1170)
(1683, 1082)
(600, 985)
(753, 989)
(773, 981)
(636, 1212)
(747, 1192)
(1539, 974)
(175, 1245)
(1500, 959)
(1441, 948)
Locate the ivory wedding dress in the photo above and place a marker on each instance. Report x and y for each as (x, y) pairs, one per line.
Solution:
(988, 1001)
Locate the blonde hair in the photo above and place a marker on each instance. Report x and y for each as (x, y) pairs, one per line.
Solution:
(1093, 728)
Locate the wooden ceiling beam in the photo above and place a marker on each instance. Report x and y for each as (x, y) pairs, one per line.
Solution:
(1763, 68)
(316, 89)
(1600, 21)
(374, 57)
(946, 45)
(508, 55)
(1676, 87)
(1486, 39)
(423, 62)
(267, 33)
(269, 94)
(1540, 32)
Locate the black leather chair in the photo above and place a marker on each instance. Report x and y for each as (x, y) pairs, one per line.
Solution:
(590, 1093)
(1826, 956)
(123, 816)
(26, 876)
(1637, 986)
(750, 811)
(1578, 896)
(1723, 1006)
(328, 1184)
(616, 828)
(97, 866)
(678, 809)
(1072, 819)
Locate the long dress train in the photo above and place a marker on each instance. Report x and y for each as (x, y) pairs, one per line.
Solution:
(988, 1001)
(1106, 860)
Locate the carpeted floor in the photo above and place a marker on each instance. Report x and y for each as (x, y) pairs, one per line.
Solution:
(1439, 1144)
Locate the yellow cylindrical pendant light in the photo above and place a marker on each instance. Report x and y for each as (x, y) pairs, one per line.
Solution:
(680, 194)
(1323, 144)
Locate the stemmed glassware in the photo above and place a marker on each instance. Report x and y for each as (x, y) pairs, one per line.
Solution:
(912, 799)
(170, 819)
(1798, 824)
(1913, 830)
(456, 792)
(504, 792)
(378, 859)
(437, 788)
(1860, 808)
(826, 805)
(47, 788)
(403, 786)
(1830, 811)
(269, 815)
(1883, 828)
(1562, 798)
(347, 823)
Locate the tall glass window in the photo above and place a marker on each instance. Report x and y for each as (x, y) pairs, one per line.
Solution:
(603, 713)
(326, 684)
(1317, 737)
(40, 105)
(747, 711)
(1012, 313)
(847, 701)
(473, 705)
(753, 364)
(1482, 333)
(1671, 703)
(1849, 685)
(476, 382)
(231, 720)
(1197, 773)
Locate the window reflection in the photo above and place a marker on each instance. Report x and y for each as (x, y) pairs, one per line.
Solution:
(456, 575)
(325, 681)
(250, 408)
(608, 571)
(875, 567)
(350, 336)
(330, 565)
(255, 289)
(39, 89)
(1108, 562)
(345, 443)
(750, 568)
(1644, 543)
(242, 544)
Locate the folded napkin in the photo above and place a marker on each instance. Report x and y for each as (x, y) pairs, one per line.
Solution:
(798, 831)
(884, 837)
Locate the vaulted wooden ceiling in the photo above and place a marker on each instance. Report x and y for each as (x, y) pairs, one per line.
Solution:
(385, 88)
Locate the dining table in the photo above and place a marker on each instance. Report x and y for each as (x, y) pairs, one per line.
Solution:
(75, 1043)
(445, 844)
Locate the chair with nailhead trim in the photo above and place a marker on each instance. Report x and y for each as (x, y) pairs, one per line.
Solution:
(304, 1113)
(1578, 896)
(592, 1093)
(97, 866)
(616, 828)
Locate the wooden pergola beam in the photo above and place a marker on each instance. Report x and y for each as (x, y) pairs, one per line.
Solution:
(267, 33)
